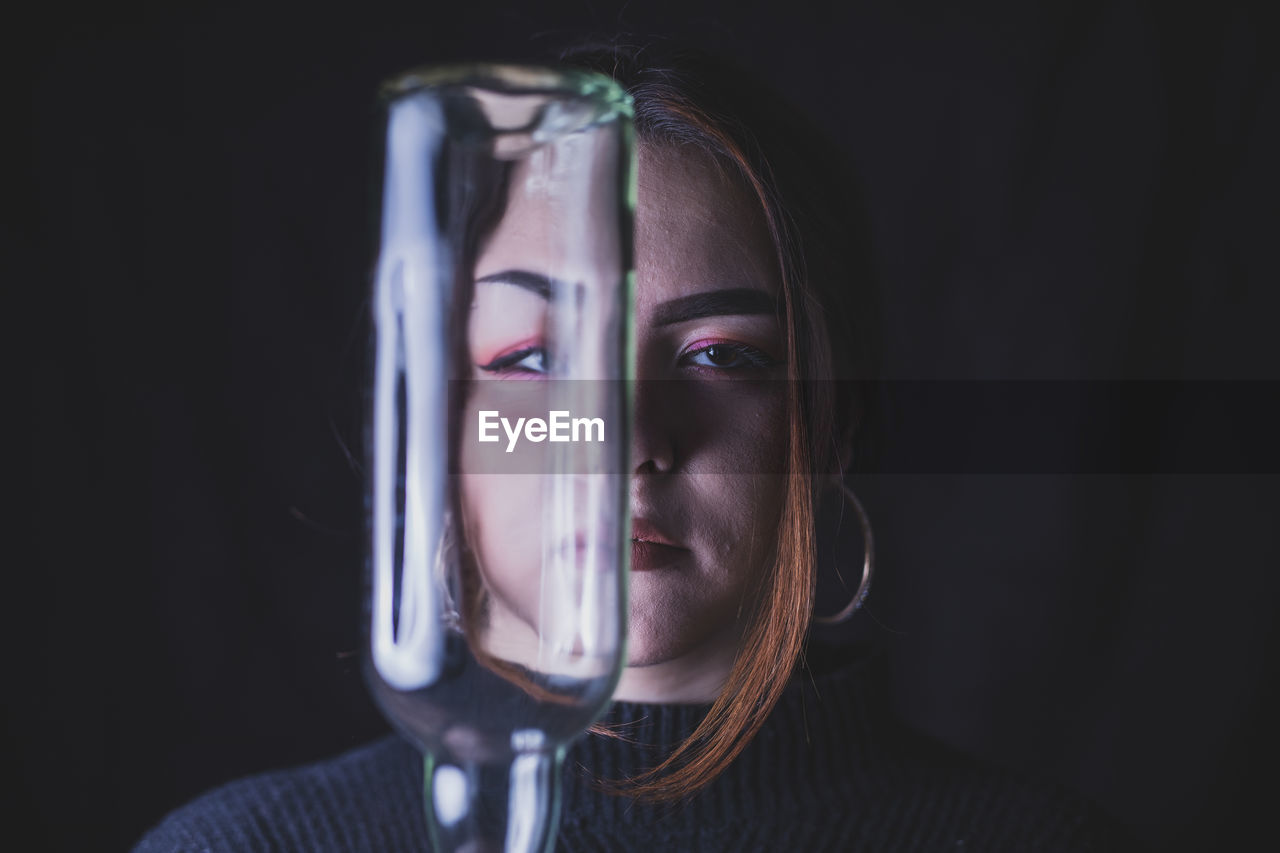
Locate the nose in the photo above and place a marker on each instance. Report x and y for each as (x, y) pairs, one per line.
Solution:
(653, 437)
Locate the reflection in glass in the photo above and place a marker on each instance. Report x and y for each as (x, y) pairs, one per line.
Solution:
(499, 437)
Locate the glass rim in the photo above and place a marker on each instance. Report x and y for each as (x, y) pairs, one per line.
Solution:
(509, 79)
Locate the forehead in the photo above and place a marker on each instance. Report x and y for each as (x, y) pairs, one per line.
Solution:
(560, 218)
(698, 227)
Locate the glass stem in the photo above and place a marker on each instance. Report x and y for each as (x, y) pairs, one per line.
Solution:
(496, 807)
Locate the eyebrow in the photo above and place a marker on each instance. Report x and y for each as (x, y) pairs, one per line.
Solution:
(715, 303)
(536, 283)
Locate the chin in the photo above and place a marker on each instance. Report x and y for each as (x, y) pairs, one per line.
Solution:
(662, 632)
(659, 634)
(643, 649)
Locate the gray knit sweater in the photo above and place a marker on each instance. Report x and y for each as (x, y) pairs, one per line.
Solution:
(830, 770)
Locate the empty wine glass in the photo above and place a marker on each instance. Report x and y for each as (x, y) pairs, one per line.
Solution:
(499, 435)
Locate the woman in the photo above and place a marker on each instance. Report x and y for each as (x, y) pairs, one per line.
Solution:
(735, 735)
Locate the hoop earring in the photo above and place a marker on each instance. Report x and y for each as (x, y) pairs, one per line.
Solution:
(868, 564)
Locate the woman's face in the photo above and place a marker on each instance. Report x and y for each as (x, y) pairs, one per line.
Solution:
(709, 435)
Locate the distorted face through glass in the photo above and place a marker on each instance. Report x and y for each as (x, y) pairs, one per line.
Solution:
(542, 506)
(709, 429)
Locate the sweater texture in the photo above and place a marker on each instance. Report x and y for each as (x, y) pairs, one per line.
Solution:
(831, 770)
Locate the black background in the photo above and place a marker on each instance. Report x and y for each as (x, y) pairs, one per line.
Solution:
(1075, 191)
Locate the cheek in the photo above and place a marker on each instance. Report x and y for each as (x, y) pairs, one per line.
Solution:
(740, 429)
(744, 513)
(742, 490)
(503, 529)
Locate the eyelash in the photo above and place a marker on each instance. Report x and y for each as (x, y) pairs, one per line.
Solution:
(507, 363)
(756, 359)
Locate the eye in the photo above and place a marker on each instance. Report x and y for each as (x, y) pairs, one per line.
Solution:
(726, 355)
(526, 361)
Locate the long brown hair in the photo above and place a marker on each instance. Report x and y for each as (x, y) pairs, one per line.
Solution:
(683, 99)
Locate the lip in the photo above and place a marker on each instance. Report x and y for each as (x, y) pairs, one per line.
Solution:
(651, 548)
(578, 549)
